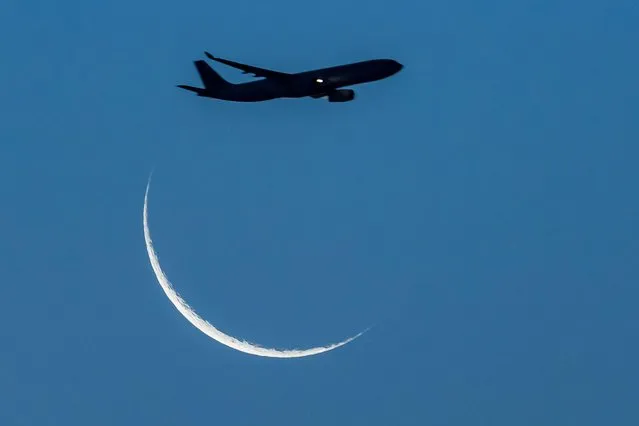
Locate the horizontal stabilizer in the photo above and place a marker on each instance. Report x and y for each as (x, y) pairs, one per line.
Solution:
(197, 90)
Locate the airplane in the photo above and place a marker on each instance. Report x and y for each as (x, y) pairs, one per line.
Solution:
(319, 83)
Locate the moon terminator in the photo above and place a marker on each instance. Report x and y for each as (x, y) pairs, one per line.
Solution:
(207, 328)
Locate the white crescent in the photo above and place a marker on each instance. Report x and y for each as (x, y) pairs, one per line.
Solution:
(206, 327)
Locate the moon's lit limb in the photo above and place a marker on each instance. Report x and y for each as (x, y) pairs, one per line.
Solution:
(206, 327)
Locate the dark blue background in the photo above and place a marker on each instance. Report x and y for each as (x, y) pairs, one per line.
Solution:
(480, 208)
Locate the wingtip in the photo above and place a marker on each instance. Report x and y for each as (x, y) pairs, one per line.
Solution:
(208, 55)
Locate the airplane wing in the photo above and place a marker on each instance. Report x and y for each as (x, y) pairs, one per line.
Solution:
(248, 69)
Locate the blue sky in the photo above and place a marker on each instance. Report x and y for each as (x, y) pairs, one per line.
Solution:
(480, 208)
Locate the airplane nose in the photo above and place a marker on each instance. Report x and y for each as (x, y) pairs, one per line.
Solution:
(391, 66)
(394, 66)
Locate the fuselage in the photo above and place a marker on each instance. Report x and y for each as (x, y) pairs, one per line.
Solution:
(314, 83)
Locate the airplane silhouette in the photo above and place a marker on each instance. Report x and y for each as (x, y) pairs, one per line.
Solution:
(319, 83)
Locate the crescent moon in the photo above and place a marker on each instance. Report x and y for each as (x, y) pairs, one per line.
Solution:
(208, 328)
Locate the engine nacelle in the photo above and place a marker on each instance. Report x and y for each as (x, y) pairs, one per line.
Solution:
(343, 95)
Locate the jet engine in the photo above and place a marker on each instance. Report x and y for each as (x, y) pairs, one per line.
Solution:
(343, 95)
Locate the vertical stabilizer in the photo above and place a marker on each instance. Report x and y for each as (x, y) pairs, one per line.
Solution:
(211, 79)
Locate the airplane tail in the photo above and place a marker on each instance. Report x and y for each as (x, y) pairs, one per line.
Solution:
(211, 79)
(198, 90)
